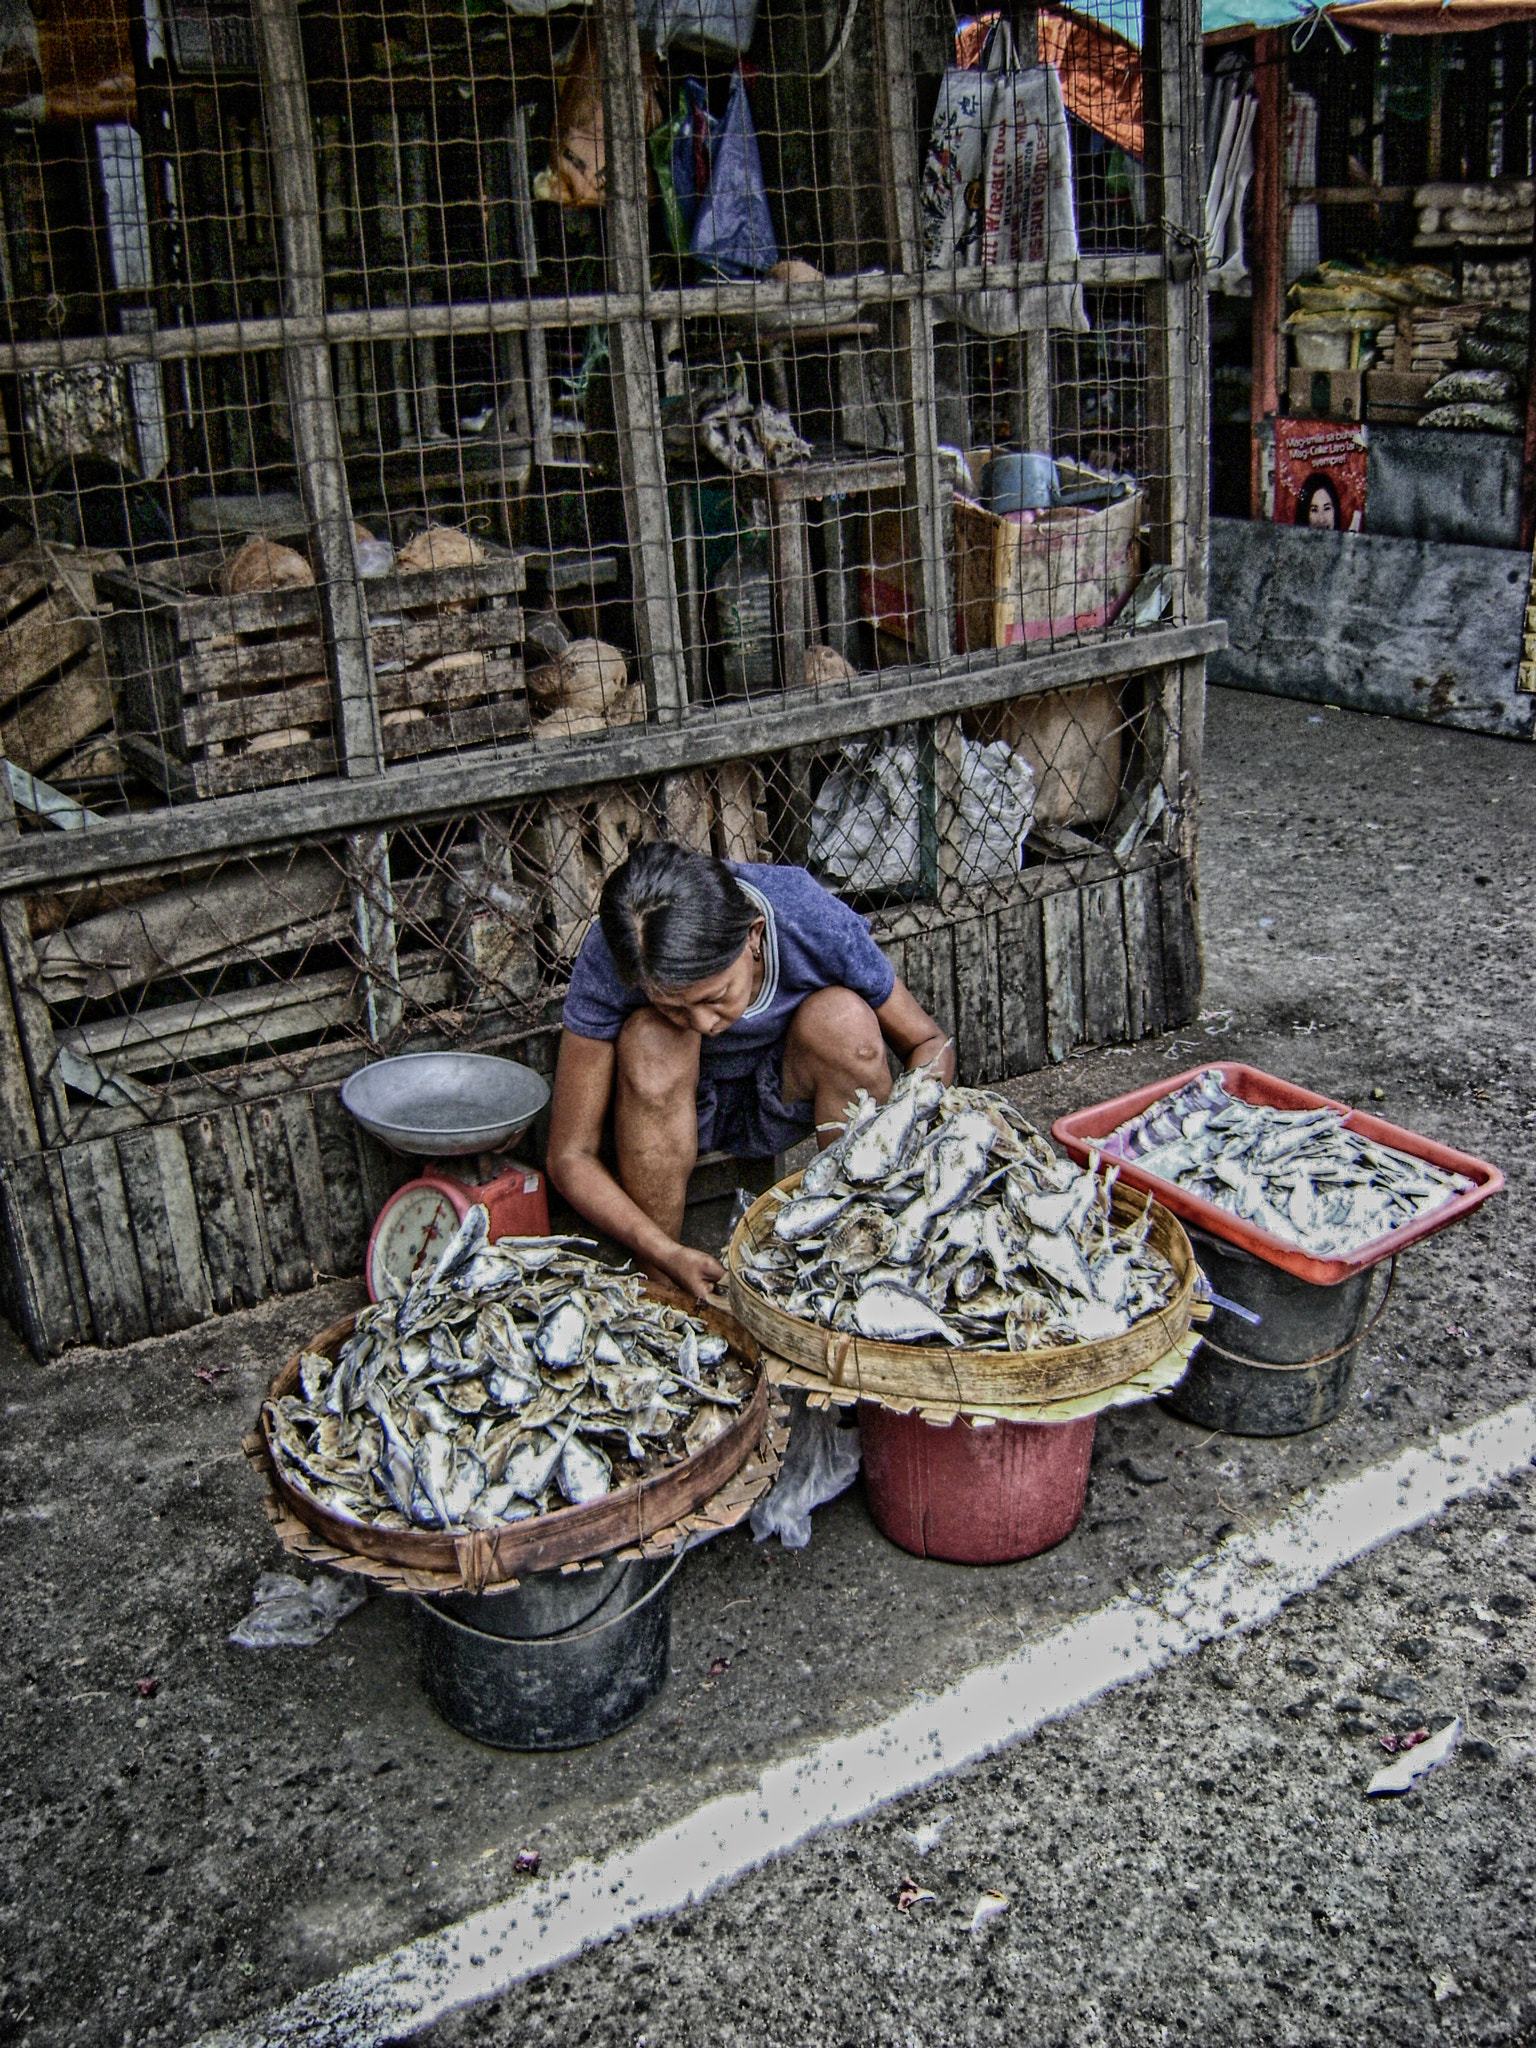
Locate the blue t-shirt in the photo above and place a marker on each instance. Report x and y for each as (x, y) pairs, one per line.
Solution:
(811, 941)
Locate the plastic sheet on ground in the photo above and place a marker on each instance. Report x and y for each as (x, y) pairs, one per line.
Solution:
(294, 1614)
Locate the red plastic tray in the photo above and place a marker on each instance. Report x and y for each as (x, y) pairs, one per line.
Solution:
(1079, 1132)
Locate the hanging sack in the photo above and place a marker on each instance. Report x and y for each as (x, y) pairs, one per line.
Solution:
(997, 189)
(734, 229)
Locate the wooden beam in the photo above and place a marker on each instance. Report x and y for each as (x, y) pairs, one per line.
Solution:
(912, 325)
(322, 474)
(266, 820)
(1177, 328)
(512, 316)
(1268, 253)
(632, 351)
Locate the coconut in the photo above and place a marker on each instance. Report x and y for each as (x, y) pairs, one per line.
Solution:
(440, 547)
(826, 665)
(590, 676)
(265, 565)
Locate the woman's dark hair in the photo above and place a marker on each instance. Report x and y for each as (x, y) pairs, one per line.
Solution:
(672, 917)
(1318, 486)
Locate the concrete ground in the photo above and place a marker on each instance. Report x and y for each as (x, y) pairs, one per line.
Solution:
(192, 1833)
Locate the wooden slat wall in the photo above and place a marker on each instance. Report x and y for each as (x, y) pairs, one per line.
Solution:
(155, 1229)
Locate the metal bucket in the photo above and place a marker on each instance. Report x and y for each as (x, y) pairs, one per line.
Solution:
(558, 1661)
(1287, 1373)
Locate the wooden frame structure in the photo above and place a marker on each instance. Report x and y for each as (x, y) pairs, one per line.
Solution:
(123, 1218)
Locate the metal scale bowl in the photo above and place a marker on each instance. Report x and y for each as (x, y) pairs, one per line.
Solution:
(447, 1105)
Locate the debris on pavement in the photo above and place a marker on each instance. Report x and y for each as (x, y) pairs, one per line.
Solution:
(988, 1907)
(1140, 1476)
(926, 1836)
(527, 1861)
(911, 1895)
(1400, 1776)
(147, 1687)
(1444, 1986)
(719, 1668)
(290, 1614)
(1399, 1745)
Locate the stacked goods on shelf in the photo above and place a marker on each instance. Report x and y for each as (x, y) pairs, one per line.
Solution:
(222, 665)
(1502, 282)
(1475, 214)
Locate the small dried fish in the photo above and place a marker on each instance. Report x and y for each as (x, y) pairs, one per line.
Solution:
(946, 1217)
(512, 1378)
(1302, 1175)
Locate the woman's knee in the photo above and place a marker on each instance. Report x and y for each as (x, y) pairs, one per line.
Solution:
(658, 1065)
(836, 1027)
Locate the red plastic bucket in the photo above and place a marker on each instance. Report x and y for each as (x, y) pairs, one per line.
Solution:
(974, 1493)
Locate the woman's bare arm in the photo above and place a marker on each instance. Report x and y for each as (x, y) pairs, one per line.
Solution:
(583, 1089)
(912, 1034)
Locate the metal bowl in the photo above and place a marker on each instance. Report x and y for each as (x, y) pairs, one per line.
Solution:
(440, 1104)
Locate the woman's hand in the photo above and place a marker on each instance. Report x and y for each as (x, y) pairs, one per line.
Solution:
(696, 1273)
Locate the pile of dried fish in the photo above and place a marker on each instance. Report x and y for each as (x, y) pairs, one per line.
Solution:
(1299, 1174)
(512, 1378)
(945, 1216)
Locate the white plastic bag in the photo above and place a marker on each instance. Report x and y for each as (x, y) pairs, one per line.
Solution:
(997, 808)
(997, 188)
(288, 1613)
(865, 823)
(822, 1461)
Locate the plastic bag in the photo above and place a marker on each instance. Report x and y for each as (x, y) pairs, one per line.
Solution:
(578, 166)
(822, 1461)
(288, 1614)
(997, 188)
(734, 229)
(682, 151)
(866, 828)
(704, 24)
(997, 808)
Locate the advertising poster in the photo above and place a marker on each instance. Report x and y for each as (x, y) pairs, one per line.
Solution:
(1320, 474)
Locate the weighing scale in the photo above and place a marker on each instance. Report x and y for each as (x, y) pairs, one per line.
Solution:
(447, 1105)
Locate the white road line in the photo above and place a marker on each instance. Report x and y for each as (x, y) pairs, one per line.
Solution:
(1247, 1582)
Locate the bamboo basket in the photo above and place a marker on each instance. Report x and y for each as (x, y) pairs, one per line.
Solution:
(957, 1378)
(631, 1515)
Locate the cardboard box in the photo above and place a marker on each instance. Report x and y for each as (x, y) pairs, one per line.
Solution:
(1396, 396)
(1044, 578)
(1324, 394)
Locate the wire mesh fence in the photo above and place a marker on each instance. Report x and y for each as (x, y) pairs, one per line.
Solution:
(424, 391)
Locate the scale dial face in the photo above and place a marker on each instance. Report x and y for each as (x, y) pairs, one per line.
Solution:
(413, 1226)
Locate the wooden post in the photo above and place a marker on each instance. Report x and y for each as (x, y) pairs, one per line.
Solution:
(1172, 62)
(912, 323)
(323, 481)
(1268, 254)
(631, 346)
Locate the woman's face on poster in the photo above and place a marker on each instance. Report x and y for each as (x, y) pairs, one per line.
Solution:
(1320, 511)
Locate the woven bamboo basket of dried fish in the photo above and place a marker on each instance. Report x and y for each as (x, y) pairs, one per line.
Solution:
(904, 1374)
(727, 1507)
(629, 1516)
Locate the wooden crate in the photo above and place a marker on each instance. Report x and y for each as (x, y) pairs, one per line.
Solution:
(232, 693)
(55, 694)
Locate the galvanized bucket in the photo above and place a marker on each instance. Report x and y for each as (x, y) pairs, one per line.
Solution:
(1291, 1371)
(558, 1661)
